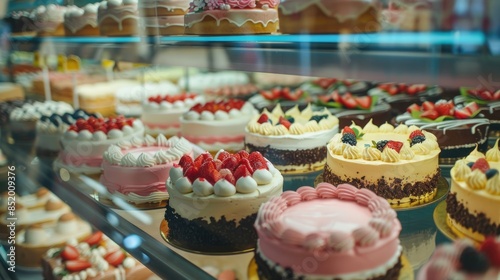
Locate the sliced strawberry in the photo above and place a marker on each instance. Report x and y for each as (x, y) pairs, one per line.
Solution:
(364, 102)
(444, 108)
(472, 107)
(241, 171)
(430, 114)
(94, 239)
(414, 89)
(69, 253)
(257, 161)
(185, 161)
(218, 164)
(213, 177)
(201, 158)
(325, 98)
(230, 163)
(393, 90)
(402, 87)
(462, 113)
(335, 96)
(413, 107)
(415, 133)
(77, 265)
(284, 122)
(73, 127)
(224, 171)
(348, 130)
(292, 95)
(485, 95)
(263, 118)
(385, 87)
(191, 173)
(246, 163)
(348, 101)
(229, 177)
(80, 123)
(115, 258)
(496, 95)
(243, 154)
(395, 145)
(325, 82)
(206, 168)
(222, 155)
(481, 164)
(427, 105)
(270, 95)
(197, 108)
(491, 248)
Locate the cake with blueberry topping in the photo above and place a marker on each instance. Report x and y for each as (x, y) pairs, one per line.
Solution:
(399, 164)
(136, 170)
(328, 232)
(217, 125)
(474, 198)
(214, 200)
(295, 140)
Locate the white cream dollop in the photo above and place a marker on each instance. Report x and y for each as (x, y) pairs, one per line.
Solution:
(207, 116)
(262, 176)
(127, 130)
(175, 173)
(99, 136)
(145, 160)
(246, 185)
(115, 134)
(85, 135)
(224, 188)
(202, 187)
(128, 160)
(183, 185)
(161, 141)
(35, 236)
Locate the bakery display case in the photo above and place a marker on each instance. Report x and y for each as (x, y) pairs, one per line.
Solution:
(145, 77)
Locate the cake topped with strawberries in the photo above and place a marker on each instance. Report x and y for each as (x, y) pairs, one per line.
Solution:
(488, 100)
(231, 187)
(285, 96)
(458, 127)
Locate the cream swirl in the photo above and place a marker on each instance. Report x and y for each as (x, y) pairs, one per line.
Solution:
(365, 236)
(390, 155)
(162, 141)
(113, 155)
(280, 130)
(420, 149)
(401, 129)
(269, 3)
(370, 127)
(364, 196)
(315, 241)
(338, 148)
(253, 127)
(430, 144)
(326, 190)
(340, 241)
(149, 140)
(351, 152)
(266, 129)
(292, 237)
(307, 112)
(128, 160)
(145, 160)
(291, 197)
(161, 157)
(297, 129)
(346, 192)
(476, 180)
(312, 126)
(137, 141)
(371, 154)
(493, 154)
(386, 128)
(406, 153)
(493, 185)
(381, 225)
(461, 170)
(475, 155)
(277, 111)
(241, 4)
(307, 193)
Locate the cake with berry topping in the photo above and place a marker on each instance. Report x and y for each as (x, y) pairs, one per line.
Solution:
(214, 201)
(34, 241)
(217, 125)
(85, 142)
(96, 258)
(474, 198)
(325, 85)
(216, 17)
(284, 96)
(462, 259)
(328, 232)
(136, 170)
(457, 127)
(488, 101)
(295, 140)
(161, 114)
(399, 164)
(359, 109)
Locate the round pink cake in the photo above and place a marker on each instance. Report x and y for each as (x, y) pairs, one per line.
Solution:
(328, 232)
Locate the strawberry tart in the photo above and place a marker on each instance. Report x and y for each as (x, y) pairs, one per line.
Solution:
(325, 16)
(359, 109)
(474, 198)
(400, 164)
(217, 125)
(462, 259)
(34, 241)
(161, 114)
(85, 142)
(458, 127)
(96, 258)
(214, 201)
(136, 170)
(284, 96)
(216, 17)
(489, 104)
(294, 141)
(328, 232)
(118, 17)
(82, 21)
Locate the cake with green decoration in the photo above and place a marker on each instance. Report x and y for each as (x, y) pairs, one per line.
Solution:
(399, 164)
(488, 100)
(295, 140)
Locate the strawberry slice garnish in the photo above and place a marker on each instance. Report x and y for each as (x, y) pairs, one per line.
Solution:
(270, 94)
(393, 90)
(481, 164)
(246, 163)
(472, 107)
(257, 161)
(191, 173)
(185, 161)
(413, 107)
(241, 171)
(430, 114)
(364, 102)
(286, 123)
(263, 118)
(230, 163)
(243, 154)
(462, 113)
(348, 101)
(416, 133)
(348, 130)
(77, 265)
(201, 158)
(291, 95)
(228, 175)
(485, 95)
(115, 258)
(496, 95)
(94, 239)
(427, 105)
(69, 253)
(395, 145)
(222, 155)
(444, 108)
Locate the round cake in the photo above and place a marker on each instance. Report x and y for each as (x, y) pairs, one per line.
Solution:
(488, 100)
(164, 17)
(399, 164)
(214, 201)
(294, 141)
(213, 17)
(49, 20)
(118, 18)
(328, 232)
(136, 170)
(82, 21)
(217, 125)
(474, 198)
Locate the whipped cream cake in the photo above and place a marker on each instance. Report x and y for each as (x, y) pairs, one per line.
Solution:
(82, 21)
(130, 98)
(474, 198)
(136, 170)
(214, 201)
(118, 17)
(217, 125)
(164, 17)
(295, 140)
(328, 232)
(49, 20)
(399, 164)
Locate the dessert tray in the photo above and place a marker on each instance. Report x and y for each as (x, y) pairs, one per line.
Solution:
(406, 272)
(443, 187)
(173, 243)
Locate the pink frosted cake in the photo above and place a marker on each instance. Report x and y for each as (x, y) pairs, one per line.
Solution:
(328, 232)
(136, 170)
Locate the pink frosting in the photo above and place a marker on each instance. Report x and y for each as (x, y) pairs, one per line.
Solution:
(307, 193)
(291, 197)
(215, 139)
(73, 160)
(326, 190)
(241, 4)
(269, 3)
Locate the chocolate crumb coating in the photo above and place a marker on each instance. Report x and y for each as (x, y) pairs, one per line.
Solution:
(288, 157)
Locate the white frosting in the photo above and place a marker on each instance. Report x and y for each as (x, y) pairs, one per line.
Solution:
(33, 112)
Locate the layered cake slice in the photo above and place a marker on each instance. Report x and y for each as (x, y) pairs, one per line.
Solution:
(399, 164)
(294, 141)
(136, 170)
(328, 232)
(214, 201)
(474, 198)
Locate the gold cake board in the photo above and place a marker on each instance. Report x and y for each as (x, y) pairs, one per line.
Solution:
(443, 224)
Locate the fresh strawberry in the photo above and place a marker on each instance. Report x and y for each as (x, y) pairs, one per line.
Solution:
(427, 105)
(481, 164)
(348, 101)
(335, 96)
(496, 95)
(73, 127)
(364, 102)
(485, 95)
(230, 163)
(222, 155)
(191, 173)
(257, 161)
(430, 114)
(472, 107)
(393, 90)
(185, 161)
(348, 130)
(243, 154)
(402, 87)
(77, 265)
(284, 122)
(263, 118)
(218, 164)
(201, 158)
(385, 86)
(224, 171)
(413, 89)
(444, 108)
(395, 145)
(229, 177)
(462, 113)
(69, 253)
(415, 133)
(241, 171)
(206, 168)
(292, 95)
(213, 177)
(94, 239)
(115, 258)
(413, 107)
(197, 108)
(270, 95)
(491, 248)
(325, 98)
(325, 82)
(244, 161)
